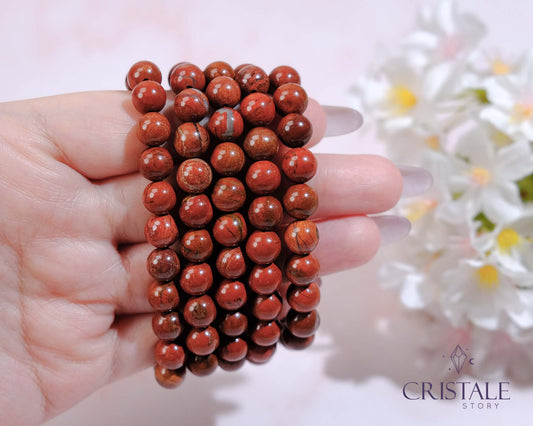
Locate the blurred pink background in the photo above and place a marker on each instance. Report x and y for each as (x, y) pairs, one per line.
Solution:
(367, 346)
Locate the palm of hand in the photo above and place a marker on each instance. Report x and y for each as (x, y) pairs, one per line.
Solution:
(72, 303)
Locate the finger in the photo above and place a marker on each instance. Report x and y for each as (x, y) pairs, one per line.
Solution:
(134, 345)
(317, 116)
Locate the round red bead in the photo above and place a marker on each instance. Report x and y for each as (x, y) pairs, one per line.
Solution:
(282, 75)
(202, 341)
(233, 349)
(251, 78)
(258, 109)
(223, 91)
(263, 247)
(153, 129)
(303, 298)
(230, 263)
(302, 269)
(202, 365)
(163, 296)
(300, 201)
(196, 211)
(231, 295)
(196, 279)
(196, 246)
(156, 163)
(265, 279)
(289, 98)
(148, 96)
(228, 194)
(265, 212)
(230, 229)
(169, 355)
(185, 75)
(295, 130)
(159, 197)
(228, 158)
(233, 323)
(194, 175)
(226, 124)
(163, 264)
(266, 307)
(261, 143)
(191, 105)
(265, 333)
(263, 177)
(140, 71)
(161, 231)
(200, 311)
(192, 140)
(169, 378)
(302, 324)
(299, 165)
(297, 343)
(218, 69)
(301, 236)
(166, 326)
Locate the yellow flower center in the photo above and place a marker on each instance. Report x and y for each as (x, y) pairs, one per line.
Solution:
(480, 176)
(487, 277)
(499, 67)
(522, 112)
(432, 142)
(419, 208)
(507, 239)
(402, 99)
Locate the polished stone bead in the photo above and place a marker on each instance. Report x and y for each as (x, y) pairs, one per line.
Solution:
(266, 307)
(185, 75)
(230, 263)
(265, 279)
(169, 355)
(300, 201)
(233, 323)
(297, 343)
(226, 124)
(299, 165)
(140, 71)
(169, 379)
(200, 311)
(231, 295)
(263, 247)
(202, 365)
(233, 349)
(289, 98)
(161, 231)
(301, 236)
(265, 333)
(258, 109)
(196, 211)
(302, 324)
(230, 229)
(196, 245)
(263, 177)
(251, 79)
(163, 264)
(295, 130)
(148, 96)
(159, 197)
(163, 296)
(191, 105)
(283, 75)
(192, 140)
(303, 298)
(223, 91)
(231, 365)
(218, 69)
(153, 129)
(194, 175)
(166, 326)
(261, 143)
(196, 279)
(228, 194)
(228, 158)
(302, 269)
(265, 212)
(240, 67)
(259, 354)
(202, 341)
(156, 163)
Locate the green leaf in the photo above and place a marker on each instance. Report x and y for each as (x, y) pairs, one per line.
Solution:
(480, 95)
(486, 224)
(526, 188)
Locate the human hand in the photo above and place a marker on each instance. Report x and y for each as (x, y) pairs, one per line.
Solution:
(73, 308)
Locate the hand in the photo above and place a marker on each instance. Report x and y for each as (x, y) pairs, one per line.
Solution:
(73, 307)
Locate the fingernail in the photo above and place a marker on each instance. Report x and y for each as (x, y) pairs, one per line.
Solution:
(341, 120)
(392, 228)
(416, 180)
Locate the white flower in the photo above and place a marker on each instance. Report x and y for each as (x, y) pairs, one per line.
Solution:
(485, 177)
(511, 101)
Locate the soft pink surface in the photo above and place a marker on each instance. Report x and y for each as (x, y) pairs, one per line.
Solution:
(365, 346)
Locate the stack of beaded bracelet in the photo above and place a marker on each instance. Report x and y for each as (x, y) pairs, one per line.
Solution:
(217, 288)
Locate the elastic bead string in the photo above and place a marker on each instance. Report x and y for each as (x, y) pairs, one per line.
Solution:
(218, 201)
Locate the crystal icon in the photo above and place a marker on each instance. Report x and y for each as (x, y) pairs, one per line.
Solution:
(458, 358)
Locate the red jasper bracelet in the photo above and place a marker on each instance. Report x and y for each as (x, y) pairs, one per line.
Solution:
(218, 199)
